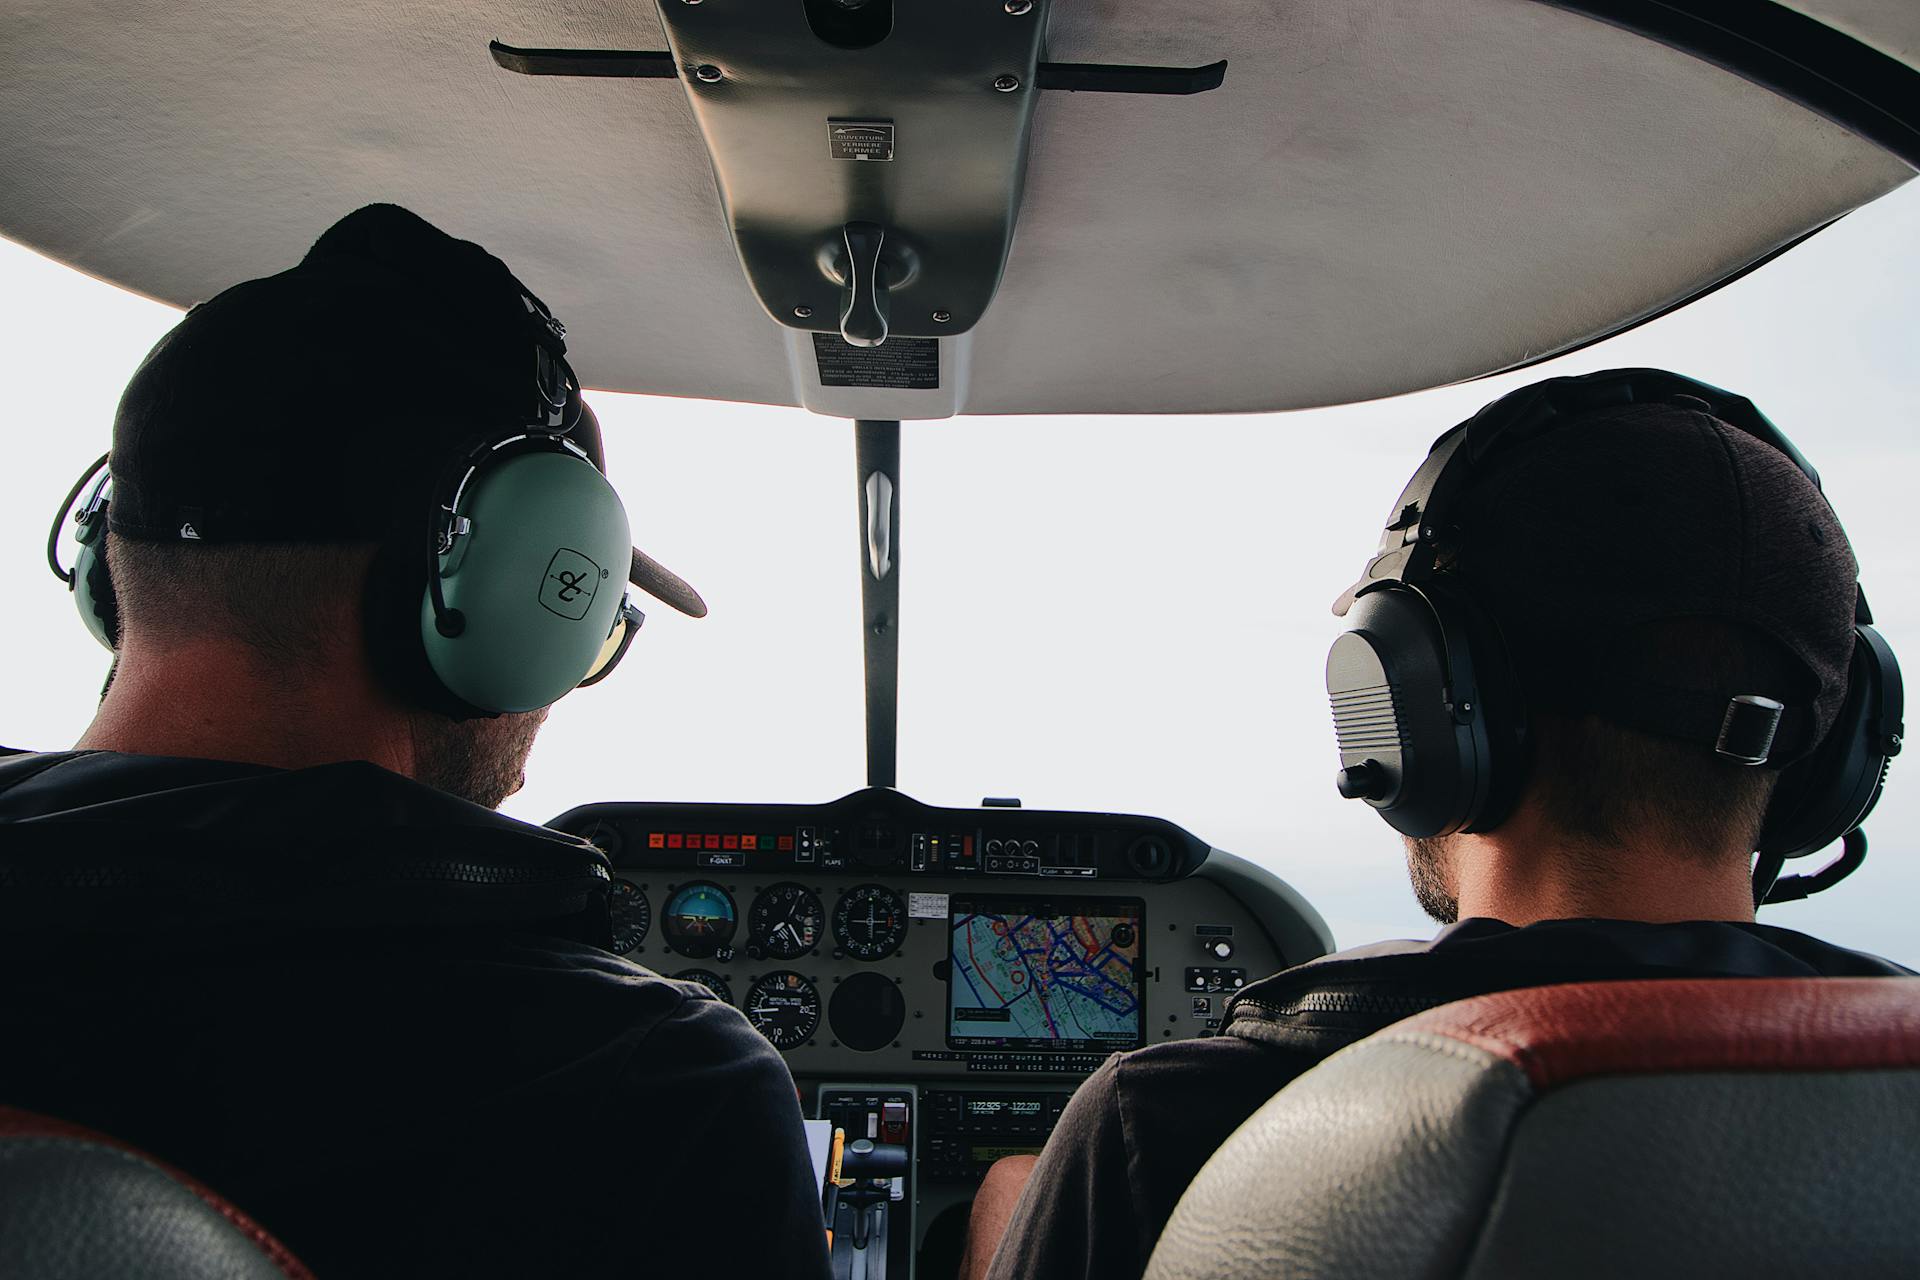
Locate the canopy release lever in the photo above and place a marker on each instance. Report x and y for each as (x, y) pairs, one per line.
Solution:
(863, 302)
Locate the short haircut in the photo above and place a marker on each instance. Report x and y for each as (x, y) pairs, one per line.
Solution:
(285, 602)
(1601, 782)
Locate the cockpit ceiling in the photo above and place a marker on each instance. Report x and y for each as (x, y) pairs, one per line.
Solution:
(1385, 195)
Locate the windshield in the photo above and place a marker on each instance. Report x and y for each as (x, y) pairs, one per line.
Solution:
(1102, 613)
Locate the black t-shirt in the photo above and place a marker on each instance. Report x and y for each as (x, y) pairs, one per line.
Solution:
(1139, 1130)
(353, 1006)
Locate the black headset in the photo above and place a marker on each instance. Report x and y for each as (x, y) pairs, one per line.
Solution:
(1430, 715)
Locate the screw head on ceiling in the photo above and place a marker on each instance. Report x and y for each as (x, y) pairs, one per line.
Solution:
(941, 317)
(707, 73)
(1006, 84)
(804, 313)
(1018, 8)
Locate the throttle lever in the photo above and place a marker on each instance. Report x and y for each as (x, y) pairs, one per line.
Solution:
(863, 305)
(865, 1158)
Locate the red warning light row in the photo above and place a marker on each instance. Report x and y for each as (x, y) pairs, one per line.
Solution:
(702, 840)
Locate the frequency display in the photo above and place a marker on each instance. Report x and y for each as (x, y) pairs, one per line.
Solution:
(1052, 973)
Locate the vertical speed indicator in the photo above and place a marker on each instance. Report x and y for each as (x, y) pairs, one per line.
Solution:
(870, 922)
(785, 1008)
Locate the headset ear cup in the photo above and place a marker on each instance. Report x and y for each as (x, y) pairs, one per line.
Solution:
(1404, 747)
(1820, 799)
(391, 605)
(93, 593)
(1483, 672)
(537, 578)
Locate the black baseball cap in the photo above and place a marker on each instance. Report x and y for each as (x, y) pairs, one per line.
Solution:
(326, 403)
(1586, 540)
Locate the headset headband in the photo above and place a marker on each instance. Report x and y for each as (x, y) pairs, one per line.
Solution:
(1411, 538)
(96, 501)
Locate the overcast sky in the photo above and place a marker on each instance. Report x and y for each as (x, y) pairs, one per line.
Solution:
(1104, 613)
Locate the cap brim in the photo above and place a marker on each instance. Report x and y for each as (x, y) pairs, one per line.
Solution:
(664, 585)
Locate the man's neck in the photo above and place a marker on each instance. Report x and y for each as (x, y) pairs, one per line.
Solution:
(213, 702)
(1526, 872)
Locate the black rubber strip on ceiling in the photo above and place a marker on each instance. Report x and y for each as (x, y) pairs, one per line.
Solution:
(1096, 77)
(1802, 59)
(631, 63)
(1075, 77)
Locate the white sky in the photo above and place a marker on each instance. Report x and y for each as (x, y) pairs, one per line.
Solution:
(1104, 613)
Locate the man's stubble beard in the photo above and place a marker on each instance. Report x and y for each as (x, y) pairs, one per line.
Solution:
(483, 760)
(1430, 867)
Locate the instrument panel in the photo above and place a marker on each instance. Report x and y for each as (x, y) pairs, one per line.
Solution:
(943, 978)
(877, 937)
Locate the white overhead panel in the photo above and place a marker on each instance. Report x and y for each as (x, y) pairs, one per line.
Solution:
(1380, 196)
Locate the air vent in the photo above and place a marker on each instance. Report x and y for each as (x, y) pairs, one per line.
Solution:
(1150, 857)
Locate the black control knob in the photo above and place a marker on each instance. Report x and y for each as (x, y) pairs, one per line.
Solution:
(1364, 781)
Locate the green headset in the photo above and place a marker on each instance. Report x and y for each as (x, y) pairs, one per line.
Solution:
(506, 594)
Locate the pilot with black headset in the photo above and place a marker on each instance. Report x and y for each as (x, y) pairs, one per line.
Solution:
(1608, 670)
(353, 537)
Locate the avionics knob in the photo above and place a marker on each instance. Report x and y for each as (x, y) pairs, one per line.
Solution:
(1222, 948)
(1364, 781)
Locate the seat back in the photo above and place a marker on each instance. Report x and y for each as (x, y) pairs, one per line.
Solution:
(1751, 1127)
(75, 1205)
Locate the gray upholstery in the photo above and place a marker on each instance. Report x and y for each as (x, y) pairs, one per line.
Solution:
(1379, 1163)
(72, 1209)
(1785, 1174)
(1416, 1155)
(1385, 195)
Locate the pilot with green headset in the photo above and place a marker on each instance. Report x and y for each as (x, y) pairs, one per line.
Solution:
(352, 539)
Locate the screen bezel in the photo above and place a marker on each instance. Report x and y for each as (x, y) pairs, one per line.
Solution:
(1054, 905)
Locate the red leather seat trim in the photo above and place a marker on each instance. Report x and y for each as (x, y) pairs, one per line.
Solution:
(1566, 1033)
(15, 1123)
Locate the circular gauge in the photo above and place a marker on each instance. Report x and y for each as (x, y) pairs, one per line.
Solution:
(786, 921)
(867, 1011)
(632, 916)
(870, 921)
(710, 980)
(698, 919)
(785, 1008)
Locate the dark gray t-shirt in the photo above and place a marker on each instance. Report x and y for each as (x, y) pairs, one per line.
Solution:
(1140, 1128)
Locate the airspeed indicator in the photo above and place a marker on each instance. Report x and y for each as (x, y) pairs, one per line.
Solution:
(631, 915)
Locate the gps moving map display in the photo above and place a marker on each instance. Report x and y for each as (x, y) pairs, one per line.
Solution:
(1045, 973)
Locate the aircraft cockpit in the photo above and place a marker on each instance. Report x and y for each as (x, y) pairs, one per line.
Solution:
(938, 979)
(907, 213)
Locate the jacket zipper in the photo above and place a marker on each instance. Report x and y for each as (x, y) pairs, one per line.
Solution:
(1343, 1002)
